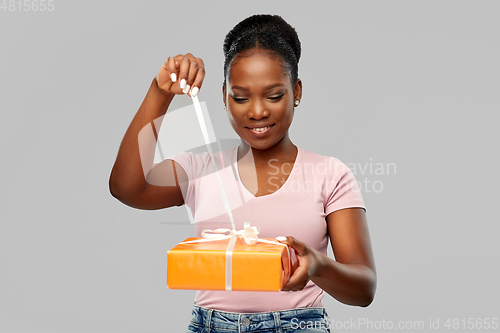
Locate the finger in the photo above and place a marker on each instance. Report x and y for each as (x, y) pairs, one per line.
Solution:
(297, 281)
(295, 265)
(172, 66)
(298, 246)
(198, 81)
(193, 70)
(289, 285)
(296, 287)
(184, 71)
(190, 56)
(163, 77)
(299, 286)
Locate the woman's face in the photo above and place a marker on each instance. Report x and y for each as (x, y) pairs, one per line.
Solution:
(260, 98)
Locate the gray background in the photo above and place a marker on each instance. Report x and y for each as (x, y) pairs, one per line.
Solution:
(413, 83)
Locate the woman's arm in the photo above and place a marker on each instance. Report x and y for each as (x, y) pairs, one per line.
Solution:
(351, 277)
(129, 177)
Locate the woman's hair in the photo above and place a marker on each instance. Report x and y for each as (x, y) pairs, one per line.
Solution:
(264, 31)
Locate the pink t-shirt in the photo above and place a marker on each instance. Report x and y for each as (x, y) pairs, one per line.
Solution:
(317, 186)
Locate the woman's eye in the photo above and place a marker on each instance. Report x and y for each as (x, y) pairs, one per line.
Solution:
(276, 98)
(239, 99)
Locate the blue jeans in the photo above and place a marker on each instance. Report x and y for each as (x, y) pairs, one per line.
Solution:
(311, 320)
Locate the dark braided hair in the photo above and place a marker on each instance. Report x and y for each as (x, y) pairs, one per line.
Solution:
(269, 32)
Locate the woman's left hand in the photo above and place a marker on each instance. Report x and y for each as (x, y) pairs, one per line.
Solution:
(306, 266)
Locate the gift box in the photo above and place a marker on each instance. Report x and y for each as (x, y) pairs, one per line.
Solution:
(202, 264)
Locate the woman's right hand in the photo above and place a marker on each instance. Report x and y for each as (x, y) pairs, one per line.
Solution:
(134, 165)
(181, 74)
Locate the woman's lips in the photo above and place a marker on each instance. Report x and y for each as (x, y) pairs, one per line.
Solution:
(260, 130)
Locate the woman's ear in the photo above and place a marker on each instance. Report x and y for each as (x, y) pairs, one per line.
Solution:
(297, 90)
(224, 95)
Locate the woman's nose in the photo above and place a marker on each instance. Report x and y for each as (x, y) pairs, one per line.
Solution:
(258, 111)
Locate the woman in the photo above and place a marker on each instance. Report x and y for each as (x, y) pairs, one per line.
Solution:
(276, 185)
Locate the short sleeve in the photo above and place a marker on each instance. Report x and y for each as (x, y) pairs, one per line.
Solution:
(342, 189)
(193, 165)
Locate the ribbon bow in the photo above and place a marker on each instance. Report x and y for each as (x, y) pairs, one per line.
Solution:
(249, 234)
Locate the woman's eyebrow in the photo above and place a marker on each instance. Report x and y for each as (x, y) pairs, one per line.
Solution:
(265, 88)
(273, 86)
(239, 88)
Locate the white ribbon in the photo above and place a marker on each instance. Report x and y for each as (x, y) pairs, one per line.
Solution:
(204, 131)
(229, 251)
(248, 234)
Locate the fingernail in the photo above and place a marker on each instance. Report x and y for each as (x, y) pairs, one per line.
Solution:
(183, 83)
(281, 238)
(173, 77)
(194, 91)
(186, 89)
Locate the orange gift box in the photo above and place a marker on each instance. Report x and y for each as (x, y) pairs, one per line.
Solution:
(202, 265)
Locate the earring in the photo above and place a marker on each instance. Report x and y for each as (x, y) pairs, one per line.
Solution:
(297, 102)
(225, 108)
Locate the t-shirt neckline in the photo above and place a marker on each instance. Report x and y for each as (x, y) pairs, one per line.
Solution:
(235, 164)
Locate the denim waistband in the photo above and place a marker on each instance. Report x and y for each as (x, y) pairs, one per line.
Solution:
(294, 319)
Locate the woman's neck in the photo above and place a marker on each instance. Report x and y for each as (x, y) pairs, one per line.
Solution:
(283, 151)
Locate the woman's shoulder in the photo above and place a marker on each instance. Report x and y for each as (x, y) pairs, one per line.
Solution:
(312, 157)
(328, 166)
